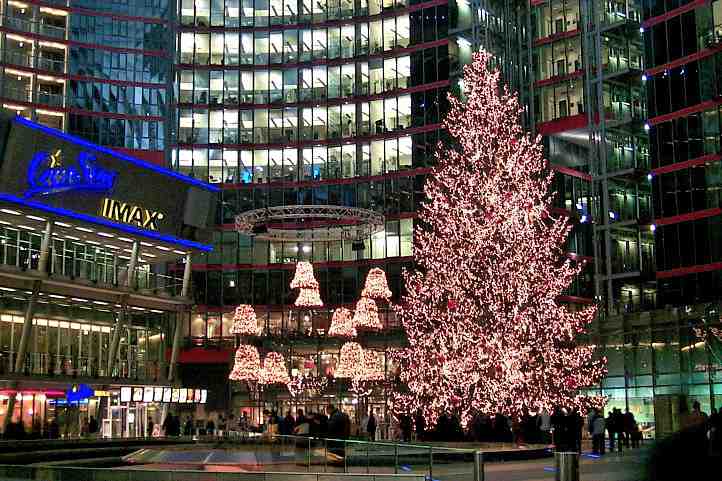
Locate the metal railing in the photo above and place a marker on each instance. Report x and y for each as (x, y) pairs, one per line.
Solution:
(55, 473)
(33, 26)
(53, 365)
(322, 455)
(92, 270)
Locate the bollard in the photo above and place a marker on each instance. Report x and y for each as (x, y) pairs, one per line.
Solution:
(479, 466)
(567, 466)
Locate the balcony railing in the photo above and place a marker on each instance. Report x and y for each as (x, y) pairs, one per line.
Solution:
(22, 59)
(63, 365)
(90, 271)
(33, 26)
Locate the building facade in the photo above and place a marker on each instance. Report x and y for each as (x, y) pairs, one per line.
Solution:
(99, 70)
(85, 314)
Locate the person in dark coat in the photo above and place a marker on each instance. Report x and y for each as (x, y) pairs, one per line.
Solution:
(286, 425)
(420, 423)
(405, 425)
(629, 427)
(92, 425)
(371, 426)
(188, 428)
(339, 428)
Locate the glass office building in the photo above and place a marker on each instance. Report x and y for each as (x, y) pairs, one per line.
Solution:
(99, 70)
(340, 102)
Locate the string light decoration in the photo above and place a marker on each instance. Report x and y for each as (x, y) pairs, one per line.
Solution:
(304, 278)
(342, 324)
(247, 365)
(244, 321)
(302, 384)
(376, 286)
(485, 332)
(373, 369)
(366, 315)
(308, 298)
(351, 359)
(274, 369)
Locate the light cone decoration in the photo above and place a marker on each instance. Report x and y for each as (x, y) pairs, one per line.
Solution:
(308, 298)
(244, 321)
(367, 315)
(376, 286)
(304, 277)
(372, 367)
(351, 359)
(247, 364)
(274, 369)
(342, 324)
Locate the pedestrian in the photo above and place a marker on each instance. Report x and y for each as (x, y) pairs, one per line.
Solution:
(188, 428)
(420, 423)
(371, 426)
(92, 425)
(611, 430)
(598, 426)
(629, 427)
(339, 429)
(287, 425)
(544, 423)
(405, 425)
(210, 427)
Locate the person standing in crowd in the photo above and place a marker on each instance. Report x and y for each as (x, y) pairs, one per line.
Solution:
(210, 427)
(597, 428)
(287, 424)
(420, 423)
(629, 427)
(405, 425)
(714, 433)
(151, 425)
(93, 425)
(371, 426)
(188, 427)
(339, 428)
(611, 429)
(544, 423)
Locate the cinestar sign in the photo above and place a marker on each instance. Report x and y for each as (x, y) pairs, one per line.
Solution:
(130, 214)
(47, 174)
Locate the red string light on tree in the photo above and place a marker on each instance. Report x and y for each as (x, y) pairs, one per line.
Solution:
(247, 364)
(244, 321)
(274, 369)
(485, 331)
(351, 359)
(367, 315)
(372, 369)
(376, 286)
(342, 324)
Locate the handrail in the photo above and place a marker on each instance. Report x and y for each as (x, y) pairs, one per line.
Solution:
(16, 472)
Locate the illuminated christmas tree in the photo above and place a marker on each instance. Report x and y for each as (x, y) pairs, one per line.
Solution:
(342, 324)
(366, 315)
(376, 286)
(247, 365)
(244, 321)
(373, 367)
(485, 330)
(274, 370)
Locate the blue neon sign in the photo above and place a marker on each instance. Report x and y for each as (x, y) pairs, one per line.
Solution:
(47, 174)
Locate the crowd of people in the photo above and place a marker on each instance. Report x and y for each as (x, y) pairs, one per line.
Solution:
(622, 429)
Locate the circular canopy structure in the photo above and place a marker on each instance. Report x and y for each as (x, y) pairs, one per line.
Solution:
(310, 223)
